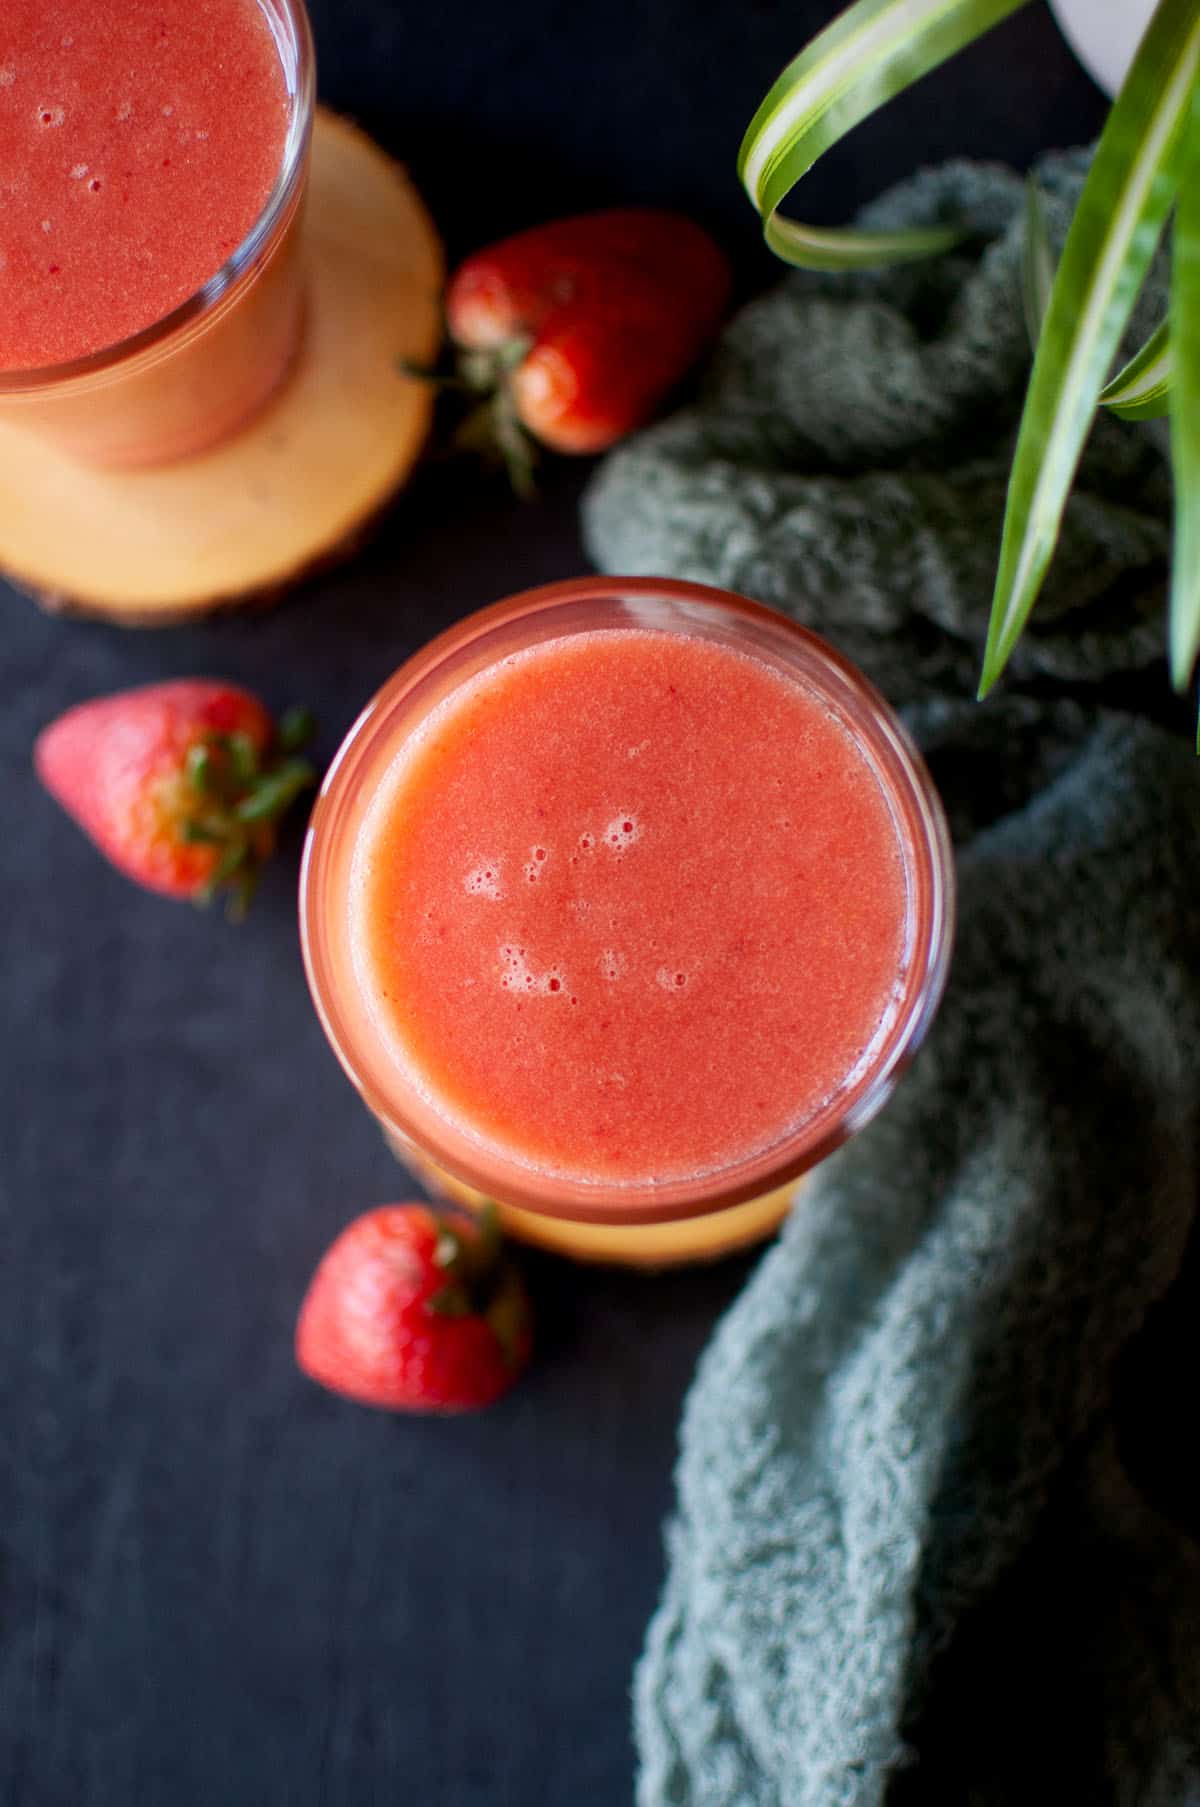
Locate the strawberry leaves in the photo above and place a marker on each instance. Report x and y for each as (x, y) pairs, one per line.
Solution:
(231, 798)
(486, 423)
(469, 1257)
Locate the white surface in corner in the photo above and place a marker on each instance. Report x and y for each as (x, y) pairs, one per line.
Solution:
(1104, 34)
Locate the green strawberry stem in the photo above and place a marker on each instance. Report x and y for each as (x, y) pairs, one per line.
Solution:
(472, 1258)
(297, 726)
(490, 430)
(274, 791)
(481, 1280)
(232, 795)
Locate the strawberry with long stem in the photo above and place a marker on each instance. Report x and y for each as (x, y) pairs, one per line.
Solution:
(573, 333)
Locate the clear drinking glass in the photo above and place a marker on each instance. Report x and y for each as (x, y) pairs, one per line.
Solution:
(201, 372)
(614, 1216)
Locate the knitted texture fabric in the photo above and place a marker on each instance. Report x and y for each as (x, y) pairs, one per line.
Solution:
(910, 1561)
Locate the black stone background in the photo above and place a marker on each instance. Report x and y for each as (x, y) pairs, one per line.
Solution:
(219, 1586)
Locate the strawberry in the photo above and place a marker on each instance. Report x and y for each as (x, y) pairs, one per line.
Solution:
(579, 328)
(179, 784)
(416, 1310)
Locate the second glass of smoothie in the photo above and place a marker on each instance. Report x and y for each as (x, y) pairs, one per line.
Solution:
(625, 902)
(153, 164)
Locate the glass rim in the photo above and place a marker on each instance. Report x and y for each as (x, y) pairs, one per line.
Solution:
(276, 210)
(928, 860)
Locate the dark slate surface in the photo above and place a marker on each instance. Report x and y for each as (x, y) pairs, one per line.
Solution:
(217, 1584)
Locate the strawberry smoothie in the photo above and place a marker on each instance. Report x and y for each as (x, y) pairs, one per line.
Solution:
(624, 902)
(139, 142)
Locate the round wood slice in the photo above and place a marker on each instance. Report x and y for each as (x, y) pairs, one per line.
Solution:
(651, 1246)
(295, 489)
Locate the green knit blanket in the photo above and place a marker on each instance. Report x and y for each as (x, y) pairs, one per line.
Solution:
(910, 1559)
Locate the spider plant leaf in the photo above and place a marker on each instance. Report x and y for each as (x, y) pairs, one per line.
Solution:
(812, 248)
(1037, 262)
(1142, 390)
(1185, 408)
(871, 52)
(1117, 223)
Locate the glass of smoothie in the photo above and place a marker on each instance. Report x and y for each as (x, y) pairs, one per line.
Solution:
(624, 902)
(153, 160)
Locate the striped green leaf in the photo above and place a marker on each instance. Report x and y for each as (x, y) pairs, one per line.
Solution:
(1117, 224)
(1037, 263)
(1142, 390)
(869, 54)
(811, 248)
(1185, 407)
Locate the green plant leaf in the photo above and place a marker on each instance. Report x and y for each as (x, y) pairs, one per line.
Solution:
(1037, 263)
(1142, 390)
(810, 248)
(1117, 223)
(1185, 407)
(869, 54)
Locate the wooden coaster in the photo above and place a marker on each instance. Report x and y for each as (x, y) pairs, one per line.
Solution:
(295, 489)
(651, 1246)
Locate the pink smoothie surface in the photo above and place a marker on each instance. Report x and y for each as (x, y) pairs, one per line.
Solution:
(630, 905)
(139, 141)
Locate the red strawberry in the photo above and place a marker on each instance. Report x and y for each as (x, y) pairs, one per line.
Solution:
(180, 784)
(582, 326)
(416, 1310)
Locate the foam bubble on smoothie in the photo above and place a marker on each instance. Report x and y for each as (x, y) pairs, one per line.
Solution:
(612, 964)
(622, 832)
(484, 881)
(51, 116)
(671, 978)
(8, 75)
(534, 864)
(516, 974)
